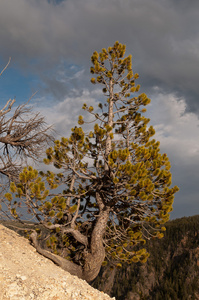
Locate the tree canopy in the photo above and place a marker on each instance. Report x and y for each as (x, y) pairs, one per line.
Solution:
(114, 184)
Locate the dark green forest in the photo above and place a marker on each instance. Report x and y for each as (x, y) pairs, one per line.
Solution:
(171, 272)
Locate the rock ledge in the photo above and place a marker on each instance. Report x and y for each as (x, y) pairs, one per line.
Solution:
(26, 275)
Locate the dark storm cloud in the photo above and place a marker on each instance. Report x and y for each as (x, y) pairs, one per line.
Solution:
(162, 35)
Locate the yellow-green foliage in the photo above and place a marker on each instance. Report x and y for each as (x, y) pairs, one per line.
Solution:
(73, 208)
(115, 166)
(8, 196)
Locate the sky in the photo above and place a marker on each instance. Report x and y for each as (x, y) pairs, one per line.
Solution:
(50, 43)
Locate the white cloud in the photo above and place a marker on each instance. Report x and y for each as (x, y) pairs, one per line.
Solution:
(178, 133)
(176, 129)
(64, 115)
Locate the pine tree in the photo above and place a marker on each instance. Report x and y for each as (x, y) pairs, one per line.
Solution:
(117, 190)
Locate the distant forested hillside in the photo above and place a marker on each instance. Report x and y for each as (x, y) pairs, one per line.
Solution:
(172, 270)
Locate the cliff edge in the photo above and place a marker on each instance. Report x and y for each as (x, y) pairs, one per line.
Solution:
(26, 275)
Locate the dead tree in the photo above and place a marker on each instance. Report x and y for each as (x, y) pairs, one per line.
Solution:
(24, 135)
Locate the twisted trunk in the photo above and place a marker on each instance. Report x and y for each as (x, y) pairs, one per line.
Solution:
(93, 258)
(65, 264)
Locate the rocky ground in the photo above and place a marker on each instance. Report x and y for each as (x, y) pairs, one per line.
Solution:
(26, 275)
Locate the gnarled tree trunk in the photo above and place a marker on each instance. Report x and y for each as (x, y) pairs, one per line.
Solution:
(93, 257)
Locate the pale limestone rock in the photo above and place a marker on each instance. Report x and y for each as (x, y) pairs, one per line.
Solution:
(26, 275)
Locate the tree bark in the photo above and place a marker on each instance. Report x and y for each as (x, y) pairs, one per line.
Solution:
(93, 258)
(110, 123)
(65, 264)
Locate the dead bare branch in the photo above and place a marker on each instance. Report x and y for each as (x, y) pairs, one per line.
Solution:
(22, 135)
(6, 66)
